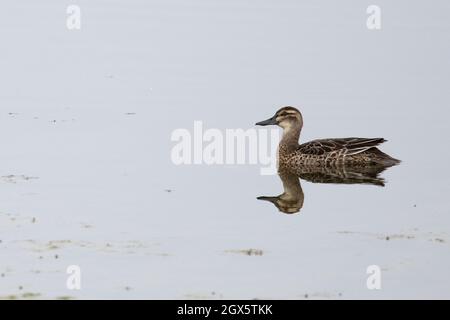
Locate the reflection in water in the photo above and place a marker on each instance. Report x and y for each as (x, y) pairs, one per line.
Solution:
(291, 200)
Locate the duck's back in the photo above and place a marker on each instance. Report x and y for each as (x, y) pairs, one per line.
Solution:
(351, 151)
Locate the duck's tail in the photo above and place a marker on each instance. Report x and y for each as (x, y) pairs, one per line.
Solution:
(382, 158)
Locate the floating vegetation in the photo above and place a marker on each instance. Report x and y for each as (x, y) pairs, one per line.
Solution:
(248, 252)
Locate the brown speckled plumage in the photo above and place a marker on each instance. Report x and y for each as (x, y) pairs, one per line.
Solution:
(323, 152)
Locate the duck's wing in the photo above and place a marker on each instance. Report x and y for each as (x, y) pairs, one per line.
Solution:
(346, 146)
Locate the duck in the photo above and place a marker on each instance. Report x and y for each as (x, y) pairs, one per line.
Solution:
(323, 152)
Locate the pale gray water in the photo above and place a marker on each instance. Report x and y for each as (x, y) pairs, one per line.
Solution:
(95, 177)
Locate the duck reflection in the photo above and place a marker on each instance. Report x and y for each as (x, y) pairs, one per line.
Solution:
(291, 200)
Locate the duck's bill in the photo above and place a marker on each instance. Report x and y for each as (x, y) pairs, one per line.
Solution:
(270, 199)
(267, 122)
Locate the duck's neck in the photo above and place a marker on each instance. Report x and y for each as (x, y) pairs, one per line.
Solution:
(291, 185)
(291, 134)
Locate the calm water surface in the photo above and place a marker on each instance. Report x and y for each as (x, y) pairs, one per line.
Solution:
(87, 179)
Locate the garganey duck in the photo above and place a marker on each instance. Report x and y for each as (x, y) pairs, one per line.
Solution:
(328, 152)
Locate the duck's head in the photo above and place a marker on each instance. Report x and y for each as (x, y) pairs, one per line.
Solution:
(286, 118)
(285, 204)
